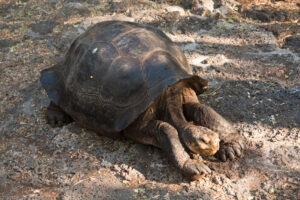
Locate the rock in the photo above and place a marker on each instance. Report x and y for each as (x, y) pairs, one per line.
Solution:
(230, 191)
(44, 27)
(208, 5)
(73, 8)
(224, 11)
(293, 43)
(259, 15)
(177, 9)
(266, 13)
(116, 168)
(187, 4)
(32, 35)
(136, 174)
(7, 43)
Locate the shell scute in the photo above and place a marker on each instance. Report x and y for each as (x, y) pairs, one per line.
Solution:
(123, 84)
(137, 43)
(95, 63)
(161, 66)
(108, 34)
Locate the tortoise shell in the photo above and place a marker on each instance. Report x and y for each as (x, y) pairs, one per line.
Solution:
(113, 72)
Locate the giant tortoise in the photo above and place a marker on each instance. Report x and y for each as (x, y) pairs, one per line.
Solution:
(128, 79)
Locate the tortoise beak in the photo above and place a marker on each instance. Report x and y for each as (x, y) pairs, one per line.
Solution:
(214, 147)
(215, 144)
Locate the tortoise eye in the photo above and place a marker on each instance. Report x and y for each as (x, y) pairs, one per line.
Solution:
(202, 140)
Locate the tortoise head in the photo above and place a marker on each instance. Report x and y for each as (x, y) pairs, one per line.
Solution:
(201, 140)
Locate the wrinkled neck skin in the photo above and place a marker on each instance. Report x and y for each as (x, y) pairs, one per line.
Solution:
(170, 104)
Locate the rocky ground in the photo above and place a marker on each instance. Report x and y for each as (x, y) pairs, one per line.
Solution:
(249, 50)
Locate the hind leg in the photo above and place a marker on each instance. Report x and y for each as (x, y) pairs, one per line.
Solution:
(232, 142)
(55, 116)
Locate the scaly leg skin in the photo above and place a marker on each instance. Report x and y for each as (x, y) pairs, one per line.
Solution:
(55, 116)
(232, 143)
(163, 135)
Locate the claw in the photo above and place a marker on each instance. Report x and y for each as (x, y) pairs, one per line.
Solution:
(241, 144)
(237, 150)
(230, 155)
(207, 170)
(56, 117)
(194, 169)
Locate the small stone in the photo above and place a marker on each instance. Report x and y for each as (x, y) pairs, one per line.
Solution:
(271, 190)
(73, 8)
(36, 191)
(208, 5)
(177, 9)
(248, 95)
(7, 43)
(272, 119)
(127, 177)
(43, 27)
(117, 168)
(259, 15)
(32, 35)
(230, 191)
(293, 43)
(94, 50)
(224, 11)
(166, 196)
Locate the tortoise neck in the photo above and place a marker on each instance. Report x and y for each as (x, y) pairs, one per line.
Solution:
(170, 104)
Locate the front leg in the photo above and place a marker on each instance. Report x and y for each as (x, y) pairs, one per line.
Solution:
(55, 116)
(232, 143)
(163, 135)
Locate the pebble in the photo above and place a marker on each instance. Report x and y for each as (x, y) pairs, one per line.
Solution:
(230, 191)
(257, 15)
(293, 42)
(44, 27)
(117, 168)
(73, 8)
(7, 43)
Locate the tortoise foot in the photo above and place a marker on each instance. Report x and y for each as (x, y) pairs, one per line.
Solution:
(56, 117)
(194, 169)
(230, 150)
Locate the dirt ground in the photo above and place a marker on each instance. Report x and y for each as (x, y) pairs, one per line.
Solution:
(249, 50)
